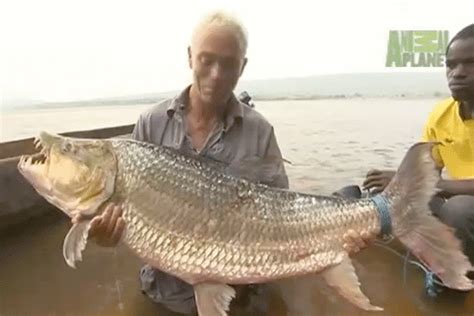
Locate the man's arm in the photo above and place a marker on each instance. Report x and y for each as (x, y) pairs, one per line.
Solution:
(273, 153)
(448, 188)
(139, 131)
(377, 180)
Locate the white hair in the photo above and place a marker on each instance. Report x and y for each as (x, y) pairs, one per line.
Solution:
(222, 19)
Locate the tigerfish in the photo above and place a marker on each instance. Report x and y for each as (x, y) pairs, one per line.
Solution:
(195, 219)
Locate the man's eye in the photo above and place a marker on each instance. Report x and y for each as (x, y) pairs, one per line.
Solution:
(206, 61)
(470, 62)
(67, 147)
(227, 64)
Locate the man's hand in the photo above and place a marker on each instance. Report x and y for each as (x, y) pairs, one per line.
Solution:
(353, 242)
(376, 180)
(107, 228)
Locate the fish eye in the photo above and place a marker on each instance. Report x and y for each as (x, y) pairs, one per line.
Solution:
(67, 147)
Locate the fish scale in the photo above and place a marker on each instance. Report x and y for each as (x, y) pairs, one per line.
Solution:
(196, 219)
(193, 218)
(254, 227)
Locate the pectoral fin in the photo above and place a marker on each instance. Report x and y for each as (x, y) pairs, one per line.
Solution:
(344, 280)
(213, 299)
(75, 242)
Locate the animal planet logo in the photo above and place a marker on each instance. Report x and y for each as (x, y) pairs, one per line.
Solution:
(417, 48)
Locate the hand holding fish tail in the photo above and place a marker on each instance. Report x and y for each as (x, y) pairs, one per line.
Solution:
(354, 242)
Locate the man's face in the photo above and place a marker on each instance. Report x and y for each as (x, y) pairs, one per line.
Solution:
(460, 69)
(217, 62)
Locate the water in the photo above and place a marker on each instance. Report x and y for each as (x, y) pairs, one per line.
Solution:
(331, 143)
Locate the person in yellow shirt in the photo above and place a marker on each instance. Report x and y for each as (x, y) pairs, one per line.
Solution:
(451, 123)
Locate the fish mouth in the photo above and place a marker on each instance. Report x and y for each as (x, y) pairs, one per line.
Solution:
(41, 157)
(35, 167)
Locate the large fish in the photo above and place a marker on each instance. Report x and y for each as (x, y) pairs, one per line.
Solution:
(193, 218)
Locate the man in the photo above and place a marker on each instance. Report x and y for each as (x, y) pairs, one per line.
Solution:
(205, 119)
(452, 124)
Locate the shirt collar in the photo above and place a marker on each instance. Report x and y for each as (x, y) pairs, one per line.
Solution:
(234, 113)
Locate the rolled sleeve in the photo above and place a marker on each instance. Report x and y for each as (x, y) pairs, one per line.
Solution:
(139, 131)
(272, 152)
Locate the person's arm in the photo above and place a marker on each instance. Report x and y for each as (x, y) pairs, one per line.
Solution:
(377, 180)
(448, 188)
(140, 130)
(279, 178)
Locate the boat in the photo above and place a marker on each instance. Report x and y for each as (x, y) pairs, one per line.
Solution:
(35, 280)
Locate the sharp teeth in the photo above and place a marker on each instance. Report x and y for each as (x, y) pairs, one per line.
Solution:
(37, 143)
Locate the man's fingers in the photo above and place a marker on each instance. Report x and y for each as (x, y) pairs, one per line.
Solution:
(118, 231)
(355, 242)
(373, 172)
(367, 237)
(350, 248)
(356, 239)
(379, 186)
(377, 190)
(95, 226)
(370, 182)
(106, 216)
(116, 212)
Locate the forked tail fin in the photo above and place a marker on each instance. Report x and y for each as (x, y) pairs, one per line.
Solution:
(427, 238)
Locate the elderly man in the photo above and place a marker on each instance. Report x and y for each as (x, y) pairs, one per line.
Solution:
(204, 119)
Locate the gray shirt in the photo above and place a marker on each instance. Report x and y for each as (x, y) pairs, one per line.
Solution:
(243, 134)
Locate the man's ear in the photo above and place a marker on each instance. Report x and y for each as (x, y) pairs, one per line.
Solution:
(243, 66)
(190, 58)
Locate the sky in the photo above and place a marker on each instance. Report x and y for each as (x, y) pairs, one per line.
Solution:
(59, 50)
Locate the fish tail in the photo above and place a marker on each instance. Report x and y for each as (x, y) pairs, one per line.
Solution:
(413, 223)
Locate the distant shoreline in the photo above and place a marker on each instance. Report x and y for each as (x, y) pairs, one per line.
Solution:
(356, 96)
(257, 98)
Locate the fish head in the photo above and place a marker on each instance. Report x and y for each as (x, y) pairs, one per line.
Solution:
(76, 175)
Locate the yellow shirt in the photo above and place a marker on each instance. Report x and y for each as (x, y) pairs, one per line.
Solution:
(456, 135)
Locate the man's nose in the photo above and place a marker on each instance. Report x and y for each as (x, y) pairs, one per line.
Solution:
(217, 71)
(460, 71)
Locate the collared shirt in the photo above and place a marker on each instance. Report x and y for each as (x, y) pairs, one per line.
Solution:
(242, 134)
(456, 135)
